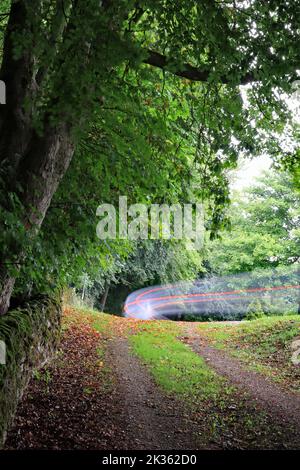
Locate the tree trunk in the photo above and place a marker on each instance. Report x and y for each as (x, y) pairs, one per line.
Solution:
(31, 164)
(7, 285)
(104, 297)
(39, 174)
(19, 77)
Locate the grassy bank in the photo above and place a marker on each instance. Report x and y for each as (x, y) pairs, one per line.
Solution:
(266, 345)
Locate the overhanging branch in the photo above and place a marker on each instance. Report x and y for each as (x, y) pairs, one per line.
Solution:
(188, 71)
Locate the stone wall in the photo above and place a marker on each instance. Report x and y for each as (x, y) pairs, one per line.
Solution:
(31, 335)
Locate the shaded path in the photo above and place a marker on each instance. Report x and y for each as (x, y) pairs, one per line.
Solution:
(86, 401)
(281, 404)
(152, 420)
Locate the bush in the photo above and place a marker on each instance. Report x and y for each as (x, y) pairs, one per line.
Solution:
(255, 310)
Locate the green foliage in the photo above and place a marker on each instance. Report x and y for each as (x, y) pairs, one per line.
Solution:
(159, 261)
(149, 262)
(141, 131)
(264, 228)
(254, 311)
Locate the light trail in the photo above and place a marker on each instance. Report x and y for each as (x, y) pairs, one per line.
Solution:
(221, 294)
(181, 299)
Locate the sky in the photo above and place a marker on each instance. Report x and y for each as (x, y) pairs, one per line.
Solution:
(249, 171)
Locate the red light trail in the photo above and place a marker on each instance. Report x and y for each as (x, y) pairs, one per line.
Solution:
(194, 298)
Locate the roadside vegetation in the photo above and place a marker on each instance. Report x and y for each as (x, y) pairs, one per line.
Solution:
(265, 345)
(260, 249)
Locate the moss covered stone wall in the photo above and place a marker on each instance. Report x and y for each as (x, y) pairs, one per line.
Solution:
(31, 335)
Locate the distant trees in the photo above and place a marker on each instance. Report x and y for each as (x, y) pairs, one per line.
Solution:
(150, 262)
(265, 230)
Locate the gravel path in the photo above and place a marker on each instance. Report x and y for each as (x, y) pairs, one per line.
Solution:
(152, 420)
(280, 403)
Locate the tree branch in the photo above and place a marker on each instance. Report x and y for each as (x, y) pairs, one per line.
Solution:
(188, 71)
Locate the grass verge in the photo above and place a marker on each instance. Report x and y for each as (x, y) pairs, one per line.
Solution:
(174, 366)
(265, 345)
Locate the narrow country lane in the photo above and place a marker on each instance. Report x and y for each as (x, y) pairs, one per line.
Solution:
(149, 417)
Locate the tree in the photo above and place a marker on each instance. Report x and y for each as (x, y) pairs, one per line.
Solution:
(149, 262)
(265, 228)
(61, 59)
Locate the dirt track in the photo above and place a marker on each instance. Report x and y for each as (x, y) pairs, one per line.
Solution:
(278, 402)
(83, 402)
(151, 419)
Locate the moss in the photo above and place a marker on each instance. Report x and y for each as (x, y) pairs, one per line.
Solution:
(31, 334)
